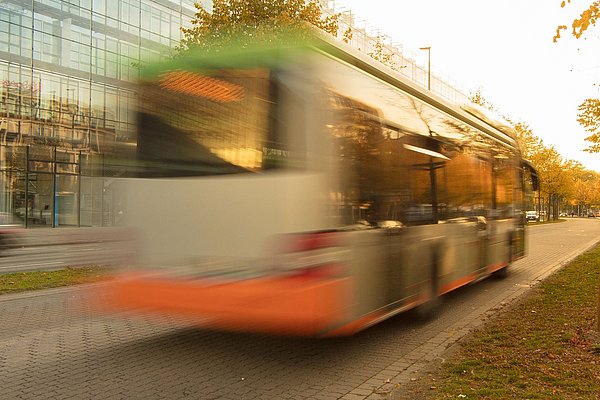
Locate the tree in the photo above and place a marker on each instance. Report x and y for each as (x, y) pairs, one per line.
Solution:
(589, 110)
(258, 21)
(529, 143)
(589, 118)
(580, 25)
(478, 98)
(382, 54)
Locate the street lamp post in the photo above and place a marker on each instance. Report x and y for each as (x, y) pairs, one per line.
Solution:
(428, 65)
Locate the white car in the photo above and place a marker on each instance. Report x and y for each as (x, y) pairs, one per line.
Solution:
(532, 216)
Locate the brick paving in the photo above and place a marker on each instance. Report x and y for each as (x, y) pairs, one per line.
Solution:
(52, 348)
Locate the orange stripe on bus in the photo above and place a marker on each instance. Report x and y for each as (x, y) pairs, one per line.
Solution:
(457, 283)
(355, 326)
(496, 267)
(373, 318)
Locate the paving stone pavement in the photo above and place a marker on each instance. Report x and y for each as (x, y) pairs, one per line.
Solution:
(51, 347)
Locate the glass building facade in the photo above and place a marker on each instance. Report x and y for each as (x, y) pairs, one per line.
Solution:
(66, 100)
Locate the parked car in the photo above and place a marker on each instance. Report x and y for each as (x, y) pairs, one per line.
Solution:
(532, 216)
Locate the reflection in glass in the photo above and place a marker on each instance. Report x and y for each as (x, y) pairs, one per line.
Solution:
(67, 206)
(406, 161)
(40, 199)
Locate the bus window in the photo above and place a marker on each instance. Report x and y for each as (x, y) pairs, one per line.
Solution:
(209, 123)
(357, 135)
(468, 182)
(505, 189)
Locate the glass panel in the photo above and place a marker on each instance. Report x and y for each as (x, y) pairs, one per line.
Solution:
(89, 164)
(12, 158)
(40, 153)
(41, 166)
(67, 189)
(468, 185)
(67, 163)
(505, 185)
(18, 197)
(99, 6)
(91, 201)
(8, 185)
(40, 199)
(12, 167)
(64, 168)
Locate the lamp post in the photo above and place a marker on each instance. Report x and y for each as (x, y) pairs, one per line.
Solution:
(428, 65)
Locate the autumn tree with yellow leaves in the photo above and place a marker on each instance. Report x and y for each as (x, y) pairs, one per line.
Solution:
(382, 54)
(589, 110)
(258, 21)
(589, 118)
(587, 18)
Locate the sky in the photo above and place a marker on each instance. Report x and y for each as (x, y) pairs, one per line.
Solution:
(505, 50)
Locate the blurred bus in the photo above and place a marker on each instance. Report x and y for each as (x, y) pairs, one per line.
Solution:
(309, 190)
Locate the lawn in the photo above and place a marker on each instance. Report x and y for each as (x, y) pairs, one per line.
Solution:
(22, 281)
(545, 347)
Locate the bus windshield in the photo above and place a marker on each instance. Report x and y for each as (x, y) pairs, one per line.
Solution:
(197, 123)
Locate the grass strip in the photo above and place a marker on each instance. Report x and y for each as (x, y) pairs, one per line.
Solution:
(22, 281)
(546, 347)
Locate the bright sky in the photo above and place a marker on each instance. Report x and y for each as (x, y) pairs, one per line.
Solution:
(505, 49)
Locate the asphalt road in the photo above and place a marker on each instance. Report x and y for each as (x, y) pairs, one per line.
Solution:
(52, 347)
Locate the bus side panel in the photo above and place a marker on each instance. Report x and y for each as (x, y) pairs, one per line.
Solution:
(392, 269)
(498, 249)
(463, 253)
(367, 269)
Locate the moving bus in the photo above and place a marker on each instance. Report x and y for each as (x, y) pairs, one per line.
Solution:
(309, 190)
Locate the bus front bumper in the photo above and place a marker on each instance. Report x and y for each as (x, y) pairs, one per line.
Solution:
(271, 305)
